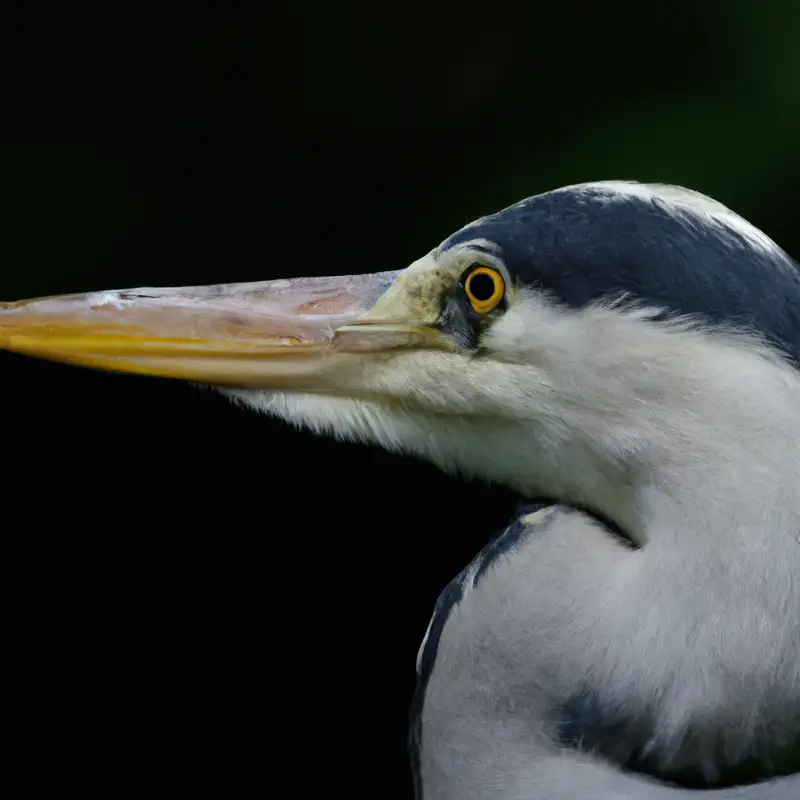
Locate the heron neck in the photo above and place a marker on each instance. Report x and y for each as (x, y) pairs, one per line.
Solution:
(699, 438)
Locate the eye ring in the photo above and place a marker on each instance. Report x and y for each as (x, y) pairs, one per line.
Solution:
(485, 288)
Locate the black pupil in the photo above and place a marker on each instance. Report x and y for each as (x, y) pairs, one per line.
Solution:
(482, 286)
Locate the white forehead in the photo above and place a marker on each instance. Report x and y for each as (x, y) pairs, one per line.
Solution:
(452, 260)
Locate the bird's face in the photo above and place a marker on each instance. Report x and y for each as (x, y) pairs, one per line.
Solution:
(412, 360)
(407, 345)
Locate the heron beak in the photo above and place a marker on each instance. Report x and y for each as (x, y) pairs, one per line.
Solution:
(279, 334)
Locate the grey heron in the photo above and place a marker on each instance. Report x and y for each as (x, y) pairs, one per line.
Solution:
(627, 351)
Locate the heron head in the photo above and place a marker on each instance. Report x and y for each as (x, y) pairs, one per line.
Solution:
(504, 349)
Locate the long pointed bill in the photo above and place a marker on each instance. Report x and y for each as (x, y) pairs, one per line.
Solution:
(281, 333)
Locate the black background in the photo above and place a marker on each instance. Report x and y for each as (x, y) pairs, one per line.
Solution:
(203, 592)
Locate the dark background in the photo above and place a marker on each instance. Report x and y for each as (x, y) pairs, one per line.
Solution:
(201, 592)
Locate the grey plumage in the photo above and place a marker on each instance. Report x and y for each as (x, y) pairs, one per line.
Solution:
(519, 643)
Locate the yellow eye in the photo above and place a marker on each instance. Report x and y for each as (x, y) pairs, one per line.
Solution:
(485, 288)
